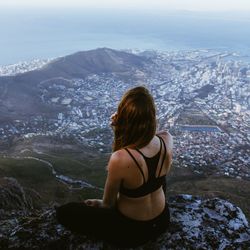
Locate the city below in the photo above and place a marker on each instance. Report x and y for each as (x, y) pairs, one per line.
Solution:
(202, 98)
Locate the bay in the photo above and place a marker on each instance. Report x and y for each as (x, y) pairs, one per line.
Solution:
(27, 34)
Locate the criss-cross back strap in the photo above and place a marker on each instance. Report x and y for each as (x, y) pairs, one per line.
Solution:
(164, 155)
(137, 164)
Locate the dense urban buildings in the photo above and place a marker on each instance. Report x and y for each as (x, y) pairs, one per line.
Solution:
(202, 98)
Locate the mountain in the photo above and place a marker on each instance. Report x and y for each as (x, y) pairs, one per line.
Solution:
(20, 95)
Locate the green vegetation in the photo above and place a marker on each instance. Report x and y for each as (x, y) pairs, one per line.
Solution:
(31, 172)
(91, 169)
(194, 116)
(37, 175)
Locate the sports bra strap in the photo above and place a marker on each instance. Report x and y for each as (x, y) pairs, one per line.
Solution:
(164, 155)
(137, 164)
(139, 152)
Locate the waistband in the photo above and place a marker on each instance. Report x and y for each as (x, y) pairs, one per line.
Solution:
(161, 216)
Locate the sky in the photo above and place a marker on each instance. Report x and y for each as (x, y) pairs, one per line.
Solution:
(190, 5)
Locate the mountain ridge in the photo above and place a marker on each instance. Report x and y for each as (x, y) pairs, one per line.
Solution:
(20, 93)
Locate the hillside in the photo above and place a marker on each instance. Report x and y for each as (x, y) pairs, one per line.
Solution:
(20, 95)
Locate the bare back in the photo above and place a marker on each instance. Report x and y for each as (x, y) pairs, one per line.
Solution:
(148, 206)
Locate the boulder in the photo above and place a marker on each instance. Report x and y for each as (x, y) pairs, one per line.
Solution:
(196, 223)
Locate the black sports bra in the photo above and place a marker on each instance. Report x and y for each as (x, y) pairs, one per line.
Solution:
(153, 183)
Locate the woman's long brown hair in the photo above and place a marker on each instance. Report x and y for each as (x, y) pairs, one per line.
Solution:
(136, 119)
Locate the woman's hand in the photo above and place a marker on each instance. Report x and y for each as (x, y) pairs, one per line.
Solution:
(113, 119)
(93, 202)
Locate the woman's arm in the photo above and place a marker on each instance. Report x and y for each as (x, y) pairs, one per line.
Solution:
(113, 181)
(112, 184)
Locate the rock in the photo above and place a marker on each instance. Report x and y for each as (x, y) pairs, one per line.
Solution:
(14, 205)
(204, 224)
(12, 195)
(196, 223)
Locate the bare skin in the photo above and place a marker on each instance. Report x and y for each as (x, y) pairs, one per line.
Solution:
(121, 167)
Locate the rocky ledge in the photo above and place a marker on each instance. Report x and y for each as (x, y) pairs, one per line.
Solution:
(196, 223)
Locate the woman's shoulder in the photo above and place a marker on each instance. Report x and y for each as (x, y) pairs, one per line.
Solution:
(117, 161)
(120, 156)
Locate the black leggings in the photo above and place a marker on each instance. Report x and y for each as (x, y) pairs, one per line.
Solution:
(110, 225)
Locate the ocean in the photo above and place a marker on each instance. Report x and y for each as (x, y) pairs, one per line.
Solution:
(27, 34)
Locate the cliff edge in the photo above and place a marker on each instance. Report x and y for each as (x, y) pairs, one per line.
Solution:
(196, 223)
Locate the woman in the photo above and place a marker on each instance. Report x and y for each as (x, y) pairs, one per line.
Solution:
(133, 209)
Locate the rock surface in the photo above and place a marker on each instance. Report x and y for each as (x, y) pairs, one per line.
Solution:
(12, 195)
(196, 223)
